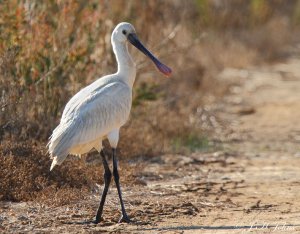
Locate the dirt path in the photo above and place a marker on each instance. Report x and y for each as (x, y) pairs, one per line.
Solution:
(251, 185)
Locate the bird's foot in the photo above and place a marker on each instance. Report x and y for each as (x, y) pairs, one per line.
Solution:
(124, 219)
(97, 220)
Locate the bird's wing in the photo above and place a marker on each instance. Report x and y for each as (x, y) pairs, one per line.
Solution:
(105, 110)
(101, 111)
(84, 94)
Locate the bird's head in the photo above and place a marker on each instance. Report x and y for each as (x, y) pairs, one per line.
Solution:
(121, 32)
(125, 32)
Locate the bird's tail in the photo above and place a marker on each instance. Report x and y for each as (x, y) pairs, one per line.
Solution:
(58, 146)
(54, 162)
(58, 159)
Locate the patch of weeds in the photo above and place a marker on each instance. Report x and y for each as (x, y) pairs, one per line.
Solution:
(145, 92)
(191, 142)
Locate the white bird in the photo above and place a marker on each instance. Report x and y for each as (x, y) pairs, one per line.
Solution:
(99, 110)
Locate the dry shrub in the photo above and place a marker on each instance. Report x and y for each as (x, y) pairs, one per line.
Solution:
(49, 50)
(25, 175)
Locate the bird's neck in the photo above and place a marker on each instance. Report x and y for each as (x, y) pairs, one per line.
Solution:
(126, 66)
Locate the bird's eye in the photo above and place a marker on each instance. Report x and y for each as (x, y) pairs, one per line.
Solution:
(124, 32)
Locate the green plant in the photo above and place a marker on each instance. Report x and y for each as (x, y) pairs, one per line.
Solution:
(191, 142)
(145, 92)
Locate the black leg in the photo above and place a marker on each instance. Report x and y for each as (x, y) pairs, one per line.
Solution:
(107, 178)
(124, 217)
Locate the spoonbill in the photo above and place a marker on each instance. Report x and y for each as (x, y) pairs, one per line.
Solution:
(98, 111)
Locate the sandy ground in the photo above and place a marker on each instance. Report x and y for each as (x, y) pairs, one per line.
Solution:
(250, 185)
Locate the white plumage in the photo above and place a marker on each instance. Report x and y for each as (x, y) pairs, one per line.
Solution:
(100, 109)
(91, 115)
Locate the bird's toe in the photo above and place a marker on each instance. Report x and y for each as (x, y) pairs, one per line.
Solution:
(96, 221)
(124, 219)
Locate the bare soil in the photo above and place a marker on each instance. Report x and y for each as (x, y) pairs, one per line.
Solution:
(249, 185)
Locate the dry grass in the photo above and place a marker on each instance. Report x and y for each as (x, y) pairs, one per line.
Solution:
(25, 175)
(50, 50)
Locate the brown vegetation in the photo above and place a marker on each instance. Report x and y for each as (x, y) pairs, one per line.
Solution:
(50, 50)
